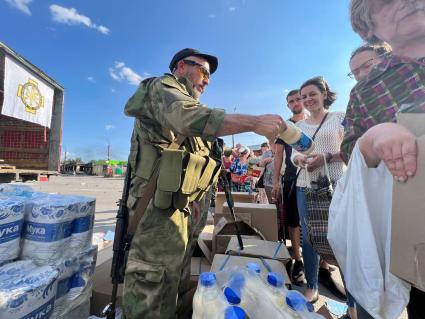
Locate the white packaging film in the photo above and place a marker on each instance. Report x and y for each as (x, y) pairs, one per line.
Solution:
(75, 281)
(82, 225)
(56, 233)
(12, 212)
(16, 189)
(26, 290)
(48, 229)
(56, 225)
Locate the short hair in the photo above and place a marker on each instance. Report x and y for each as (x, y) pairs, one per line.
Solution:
(361, 22)
(227, 152)
(380, 49)
(292, 92)
(265, 144)
(323, 87)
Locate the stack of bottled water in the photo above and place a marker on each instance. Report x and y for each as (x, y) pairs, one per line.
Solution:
(238, 293)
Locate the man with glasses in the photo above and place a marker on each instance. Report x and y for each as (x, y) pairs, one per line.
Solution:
(167, 108)
(364, 58)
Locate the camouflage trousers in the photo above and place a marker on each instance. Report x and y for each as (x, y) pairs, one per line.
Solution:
(158, 267)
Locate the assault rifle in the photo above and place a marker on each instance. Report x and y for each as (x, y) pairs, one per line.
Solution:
(121, 246)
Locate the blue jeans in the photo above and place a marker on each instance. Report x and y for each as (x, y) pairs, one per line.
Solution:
(311, 258)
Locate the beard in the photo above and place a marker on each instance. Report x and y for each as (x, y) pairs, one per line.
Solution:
(187, 80)
(297, 111)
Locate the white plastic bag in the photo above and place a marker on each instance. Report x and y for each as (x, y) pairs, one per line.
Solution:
(360, 235)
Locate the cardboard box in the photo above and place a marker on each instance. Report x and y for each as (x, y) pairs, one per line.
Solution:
(207, 235)
(102, 283)
(262, 217)
(259, 248)
(239, 197)
(222, 262)
(205, 242)
(408, 217)
(225, 229)
(324, 312)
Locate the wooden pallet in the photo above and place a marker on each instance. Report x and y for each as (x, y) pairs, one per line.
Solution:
(6, 167)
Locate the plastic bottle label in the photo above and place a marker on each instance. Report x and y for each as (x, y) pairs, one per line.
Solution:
(303, 144)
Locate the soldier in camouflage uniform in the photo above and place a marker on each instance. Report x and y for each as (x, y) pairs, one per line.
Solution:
(158, 266)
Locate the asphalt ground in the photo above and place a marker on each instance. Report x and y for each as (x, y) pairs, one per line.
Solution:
(107, 192)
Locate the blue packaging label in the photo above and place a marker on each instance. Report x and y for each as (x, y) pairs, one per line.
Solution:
(82, 224)
(47, 232)
(10, 231)
(303, 144)
(43, 312)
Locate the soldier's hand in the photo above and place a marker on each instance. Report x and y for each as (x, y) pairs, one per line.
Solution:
(270, 126)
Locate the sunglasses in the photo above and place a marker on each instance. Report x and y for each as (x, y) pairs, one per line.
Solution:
(204, 72)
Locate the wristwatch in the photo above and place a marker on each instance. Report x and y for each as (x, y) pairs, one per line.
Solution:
(328, 157)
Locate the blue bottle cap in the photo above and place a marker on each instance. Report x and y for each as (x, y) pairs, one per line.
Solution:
(275, 279)
(310, 307)
(207, 279)
(233, 295)
(253, 267)
(234, 312)
(296, 300)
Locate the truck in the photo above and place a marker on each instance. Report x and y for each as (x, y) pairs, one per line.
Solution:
(31, 118)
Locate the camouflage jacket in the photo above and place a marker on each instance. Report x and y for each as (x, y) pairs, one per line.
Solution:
(164, 107)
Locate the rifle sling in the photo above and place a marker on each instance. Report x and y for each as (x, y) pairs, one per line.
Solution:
(143, 202)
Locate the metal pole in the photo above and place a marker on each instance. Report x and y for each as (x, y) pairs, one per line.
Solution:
(233, 136)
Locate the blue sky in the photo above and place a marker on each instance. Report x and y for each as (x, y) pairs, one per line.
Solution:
(98, 50)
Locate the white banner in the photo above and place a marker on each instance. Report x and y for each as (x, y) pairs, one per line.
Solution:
(26, 95)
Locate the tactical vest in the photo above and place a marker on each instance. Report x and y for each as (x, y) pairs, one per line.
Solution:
(184, 174)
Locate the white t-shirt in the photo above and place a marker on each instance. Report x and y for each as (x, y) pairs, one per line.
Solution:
(327, 140)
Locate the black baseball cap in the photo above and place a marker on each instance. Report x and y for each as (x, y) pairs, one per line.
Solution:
(212, 60)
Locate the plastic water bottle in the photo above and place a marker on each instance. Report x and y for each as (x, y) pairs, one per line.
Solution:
(208, 300)
(234, 312)
(299, 305)
(236, 292)
(297, 139)
(277, 293)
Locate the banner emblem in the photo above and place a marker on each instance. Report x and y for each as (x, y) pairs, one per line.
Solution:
(31, 96)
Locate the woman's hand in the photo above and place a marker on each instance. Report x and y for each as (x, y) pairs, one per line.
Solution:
(315, 161)
(275, 190)
(395, 145)
(265, 161)
(300, 161)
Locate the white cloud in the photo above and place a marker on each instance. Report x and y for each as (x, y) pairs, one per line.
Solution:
(211, 16)
(109, 127)
(146, 74)
(113, 90)
(286, 91)
(21, 5)
(232, 9)
(70, 16)
(121, 72)
(103, 29)
(91, 79)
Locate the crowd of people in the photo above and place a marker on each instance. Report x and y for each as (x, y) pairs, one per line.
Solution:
(390, 70)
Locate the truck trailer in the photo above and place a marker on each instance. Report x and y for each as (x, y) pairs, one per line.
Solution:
(31, 117)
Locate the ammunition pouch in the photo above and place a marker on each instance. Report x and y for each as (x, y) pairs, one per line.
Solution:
(183, 178)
